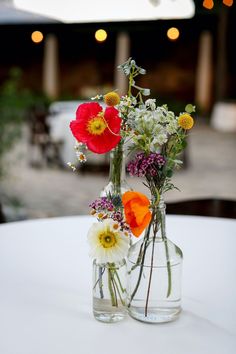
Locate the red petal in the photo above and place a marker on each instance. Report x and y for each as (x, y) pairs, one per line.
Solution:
(79, 130)
(101, 144)
(112, 118)
(87, 110)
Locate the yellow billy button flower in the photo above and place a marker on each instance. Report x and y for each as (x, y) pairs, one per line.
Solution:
(111, 99)
(185, 121)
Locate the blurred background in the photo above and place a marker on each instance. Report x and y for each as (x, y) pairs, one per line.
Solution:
(49, 64)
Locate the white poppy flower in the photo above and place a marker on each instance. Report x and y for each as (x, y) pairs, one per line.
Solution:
(107, 242)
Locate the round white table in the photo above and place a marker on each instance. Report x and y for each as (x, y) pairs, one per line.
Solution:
(45, 292)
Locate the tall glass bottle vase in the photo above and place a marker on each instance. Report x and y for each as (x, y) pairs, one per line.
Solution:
(117, 184)
(109, 291)
(109, 279)
(154, 274)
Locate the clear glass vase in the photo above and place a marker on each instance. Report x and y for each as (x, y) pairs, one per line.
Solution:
(154, 274)
(109, 291)
(117, 184)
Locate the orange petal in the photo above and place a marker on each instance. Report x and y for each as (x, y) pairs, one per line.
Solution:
(139, 229)
(139, 211)
(127, 196)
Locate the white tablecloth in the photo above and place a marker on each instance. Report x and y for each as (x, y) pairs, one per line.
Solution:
(45, 292)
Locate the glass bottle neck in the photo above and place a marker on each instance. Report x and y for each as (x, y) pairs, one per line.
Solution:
(159, 220)
(117, 167)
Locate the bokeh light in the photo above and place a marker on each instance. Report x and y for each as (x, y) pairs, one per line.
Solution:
(173, 33)
(101, 35)
(37, 36)
(228, 2)
(208, 4)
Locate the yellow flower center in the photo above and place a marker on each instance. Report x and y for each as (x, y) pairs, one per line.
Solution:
(96, 125)
(107, 239)
(185, 121)
(82, 157)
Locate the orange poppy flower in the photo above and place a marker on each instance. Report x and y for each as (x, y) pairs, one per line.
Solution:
(137, 213)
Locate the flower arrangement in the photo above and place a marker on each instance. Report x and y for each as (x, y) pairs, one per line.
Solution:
(156, 137)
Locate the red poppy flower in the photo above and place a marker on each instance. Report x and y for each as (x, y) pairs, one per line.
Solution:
(97, 129)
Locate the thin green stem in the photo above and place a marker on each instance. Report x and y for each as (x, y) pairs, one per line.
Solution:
(111, 288)
(150, 275)
(116, 286)
(167, 259)
(168, 269)
(101, 271)
(114, 289)
(142, 262)
(155, 229)
(119, 282)
(130, 82)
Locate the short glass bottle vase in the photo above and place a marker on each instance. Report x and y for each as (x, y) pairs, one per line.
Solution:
(109, 291)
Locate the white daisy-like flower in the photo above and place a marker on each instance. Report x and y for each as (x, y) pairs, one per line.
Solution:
(80, 156)
(78, 145)
(72, 166)
(107, 242)
(97, 97)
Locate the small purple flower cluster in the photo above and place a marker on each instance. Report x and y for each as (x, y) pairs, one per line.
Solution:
(144, 165)
(105, 206)
(102, 203)
(118, 216)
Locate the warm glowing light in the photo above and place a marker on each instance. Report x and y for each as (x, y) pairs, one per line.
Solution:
(101, 35)
(37, 36)
(173, 33)
(228, 2)
(208, 4)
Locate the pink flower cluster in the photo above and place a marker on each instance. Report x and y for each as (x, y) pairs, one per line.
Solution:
(102, 204)
(144, 165)
(104, 208)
